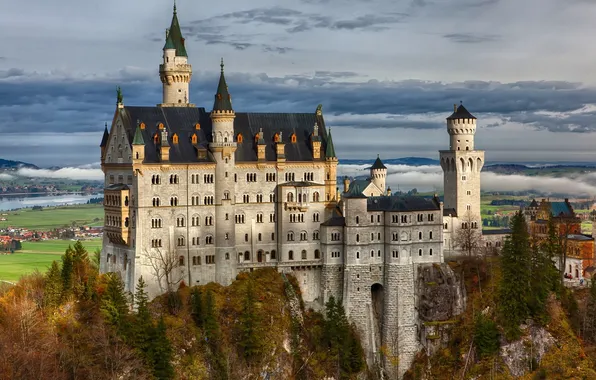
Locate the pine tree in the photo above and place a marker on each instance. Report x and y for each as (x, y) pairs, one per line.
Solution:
(114, 306)
(514, 289)
(196, 307)
(161, 353)
(143, 327)
(589, 323)
(67, 272)
(53, 286)
(486, 336)
(250, 341)
(212, 332)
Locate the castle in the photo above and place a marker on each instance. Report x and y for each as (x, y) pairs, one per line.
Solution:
(198, 195)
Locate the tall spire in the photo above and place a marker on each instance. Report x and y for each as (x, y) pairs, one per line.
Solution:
(106, 135)
(223, 100)
(174, 39)
(330, 150)
(138, 138)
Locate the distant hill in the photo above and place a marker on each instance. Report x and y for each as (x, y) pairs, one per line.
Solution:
(539, 170)
(410, 161)
(11, 165)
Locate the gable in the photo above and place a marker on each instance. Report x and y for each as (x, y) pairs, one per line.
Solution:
(118, 149)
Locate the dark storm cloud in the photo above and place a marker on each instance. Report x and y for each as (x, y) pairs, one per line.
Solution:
(470, 38)
(30, 102)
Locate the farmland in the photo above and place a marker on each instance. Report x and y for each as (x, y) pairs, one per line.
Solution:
(37, 255)
(54, 217)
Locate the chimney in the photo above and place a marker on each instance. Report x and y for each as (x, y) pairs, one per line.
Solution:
(346, 184)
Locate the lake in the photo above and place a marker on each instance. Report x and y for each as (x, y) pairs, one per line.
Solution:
(11, 202)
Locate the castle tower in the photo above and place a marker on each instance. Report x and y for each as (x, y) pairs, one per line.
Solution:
(223, 148)
(330, 168)
(378, 174)
(175, 72)
(461, 167)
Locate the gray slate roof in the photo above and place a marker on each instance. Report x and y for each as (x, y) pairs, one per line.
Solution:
(402, 203)
(182, 120)
(461, 113)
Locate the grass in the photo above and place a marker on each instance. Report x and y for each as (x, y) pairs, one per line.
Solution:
(54, 217)
(37, 255)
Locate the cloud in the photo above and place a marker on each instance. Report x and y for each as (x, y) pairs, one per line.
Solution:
(70, 173)
(370, 22)
(6, 177)
(430, 178)
(470, 38)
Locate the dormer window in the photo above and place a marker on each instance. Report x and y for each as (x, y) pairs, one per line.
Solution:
(160, 126)
(276, 138)
(293, 138)
(175, 138)
(198, 126)
(194, 138)
(156, 138)
(142, 125)
(239, 138)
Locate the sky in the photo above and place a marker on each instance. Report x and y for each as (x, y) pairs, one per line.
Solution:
(387, 72)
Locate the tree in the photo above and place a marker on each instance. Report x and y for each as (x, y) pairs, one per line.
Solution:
(67, 272)
(196, 307)
(250, 339)
(468, 238)
(53, 286)
(514, 288)
(589, 322)
(143, 326)
(564, 228)
(114, 306)
(486, 336)
(161, 353)
(165, 268)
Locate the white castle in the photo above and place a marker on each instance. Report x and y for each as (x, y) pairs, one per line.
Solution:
(198, 196)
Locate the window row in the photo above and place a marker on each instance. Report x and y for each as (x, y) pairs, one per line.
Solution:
(303, 236)
(316, 197)
(394, 254)
(115, 221)
(304, 255)
(196, 260)
(260, 255)
(115, 200)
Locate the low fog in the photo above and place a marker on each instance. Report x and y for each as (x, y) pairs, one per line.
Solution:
(430, 178)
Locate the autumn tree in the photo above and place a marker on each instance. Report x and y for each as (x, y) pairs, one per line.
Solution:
(514, 288)
(468, 238)
(164, 265)
(196, 306)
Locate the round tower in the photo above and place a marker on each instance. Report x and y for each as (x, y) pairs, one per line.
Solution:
(378, 174)
(175, 72)
(461, 127)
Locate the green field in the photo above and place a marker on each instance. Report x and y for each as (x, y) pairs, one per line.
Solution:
(37, 255)
(54, 217)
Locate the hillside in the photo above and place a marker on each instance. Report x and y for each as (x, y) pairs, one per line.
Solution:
(13, 165)
(72, 323)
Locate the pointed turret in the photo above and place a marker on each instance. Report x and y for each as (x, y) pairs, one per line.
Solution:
(223, 100)
(378, 164)
(378, 174)
(174, 39)
(138, 145)
(138, 138)
(175, 72)
(330, 150)
(104, 139)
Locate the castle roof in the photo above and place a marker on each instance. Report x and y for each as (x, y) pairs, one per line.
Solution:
(104, 139)
(223, 100)
(174, 39)
(330, 149)
(183, 122)
(356, 188)
(461, 113)
(402, 203)
(449, 212)
(561, 209)
(378, 164)
(138, 139)
(335, 221)
(533, 203)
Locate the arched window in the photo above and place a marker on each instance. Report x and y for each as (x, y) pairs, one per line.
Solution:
(239, 138)
(357, 220)
(181, 261)
(246, 256)
(175, 138)
(290, 197)
(357, 238)
(272, 256)
(419, 235)
(304, 254)
(317, 254)
(315, 196)
(291, 255)
(420, 252)
(293, 138)
(194, 138)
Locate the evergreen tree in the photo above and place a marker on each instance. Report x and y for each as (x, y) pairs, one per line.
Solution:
(143, 326)
(114, 306)
(53, 286)
(250, 340)
(212, 333)
(355, 351)
(544, 279)
(196, 307)
(67, 272)
(161, 353)
(514, 289)
(589, 323)
(486, 336)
